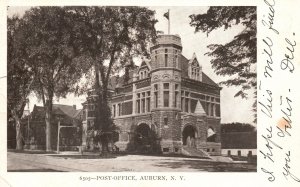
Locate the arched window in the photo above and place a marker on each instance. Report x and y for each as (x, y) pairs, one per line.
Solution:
(211, 135)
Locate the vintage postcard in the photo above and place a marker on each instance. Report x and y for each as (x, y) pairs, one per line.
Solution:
(150, 93)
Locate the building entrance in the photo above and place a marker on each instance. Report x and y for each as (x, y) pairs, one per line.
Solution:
(189, 136)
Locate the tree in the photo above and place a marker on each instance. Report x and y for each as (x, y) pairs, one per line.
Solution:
(52, 56)
(19, 75)
(236, 58)
(109, 37)
(237, 127)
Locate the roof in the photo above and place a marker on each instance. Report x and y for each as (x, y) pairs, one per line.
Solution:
(67, 109)
(116, 81)
(239, 140)
(59, 109)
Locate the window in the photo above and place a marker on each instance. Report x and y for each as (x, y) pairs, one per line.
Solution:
(193, 105)
(218, 113)
(155, 95)
(143, 102)
(166, 57)
(119, 110)
(166, 94)
(114, 111)
(229, 153)
(166, 121)
(148, 104)
(176, 95)
(138, 106)
(155, 100)
(195, 72)
(166, 86)
(249, 153)
(182, 101)
(165, 149)
(212, 109)
(186, 107)
(166, 60)
(143, 105)
(166, 98)
(185, 101)
(212, 105)
(176, 99)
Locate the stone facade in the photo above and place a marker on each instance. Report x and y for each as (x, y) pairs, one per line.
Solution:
(167, 104)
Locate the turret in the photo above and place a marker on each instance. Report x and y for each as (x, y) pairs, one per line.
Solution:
(166, 72)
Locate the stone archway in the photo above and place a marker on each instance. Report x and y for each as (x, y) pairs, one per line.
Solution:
(189, 135)
(143, 138)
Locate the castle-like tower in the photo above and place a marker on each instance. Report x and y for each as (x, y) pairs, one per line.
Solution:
(167, 104)
(166, 89)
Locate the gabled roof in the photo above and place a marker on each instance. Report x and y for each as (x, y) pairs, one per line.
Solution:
(184, 73)
(194, 58)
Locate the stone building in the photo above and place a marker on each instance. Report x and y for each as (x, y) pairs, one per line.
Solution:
(167, 104)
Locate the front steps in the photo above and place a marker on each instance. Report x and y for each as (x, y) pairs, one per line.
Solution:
(192, 151)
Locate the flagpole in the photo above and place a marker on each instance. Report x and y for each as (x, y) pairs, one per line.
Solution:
(169, 21)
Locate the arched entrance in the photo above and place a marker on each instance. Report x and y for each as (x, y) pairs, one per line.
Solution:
(189, 135)
(143, 138)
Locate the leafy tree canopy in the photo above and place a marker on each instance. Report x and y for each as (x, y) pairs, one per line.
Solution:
(237, 127)
(237, 58)
(107, 38)
(19, 75)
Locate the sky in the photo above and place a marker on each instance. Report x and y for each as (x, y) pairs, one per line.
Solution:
(232, 109)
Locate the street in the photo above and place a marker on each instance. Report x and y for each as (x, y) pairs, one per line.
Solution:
(34, 162)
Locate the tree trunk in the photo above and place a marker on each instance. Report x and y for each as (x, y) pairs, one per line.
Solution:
(19, 137)
(104, 143)
(48, 125)
(48, 131)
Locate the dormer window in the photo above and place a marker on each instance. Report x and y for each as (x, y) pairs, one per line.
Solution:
(195, 70)
(143, 74)
(195, 73)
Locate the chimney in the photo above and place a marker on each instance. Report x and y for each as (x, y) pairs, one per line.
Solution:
(74, 106)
